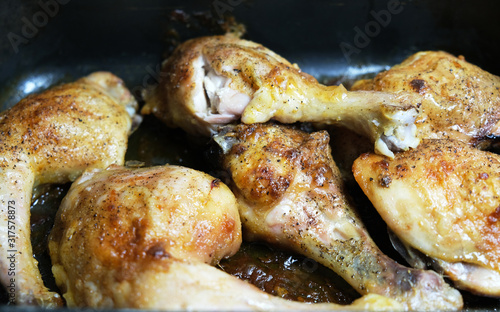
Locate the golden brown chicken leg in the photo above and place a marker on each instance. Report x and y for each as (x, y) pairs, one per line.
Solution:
(291, 194)
(460, 100)
(211, 81)
(443, 200)
(146, 238)
(51, 138)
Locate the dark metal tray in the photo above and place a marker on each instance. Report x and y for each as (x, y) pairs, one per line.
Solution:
(46, 42)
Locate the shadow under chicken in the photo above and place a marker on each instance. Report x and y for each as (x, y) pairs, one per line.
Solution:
(52, 137)
(212, 81)
(442, 202)
(148, 238)
(290, 194)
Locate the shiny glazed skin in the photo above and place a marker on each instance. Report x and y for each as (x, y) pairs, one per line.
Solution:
(443, 200)
(179, 100)
(290, 193)
(211, 81)
(460, 100)
(51, 138)
(116, 224)
(146, 238)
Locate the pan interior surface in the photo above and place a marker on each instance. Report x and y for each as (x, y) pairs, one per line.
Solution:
(49, 42)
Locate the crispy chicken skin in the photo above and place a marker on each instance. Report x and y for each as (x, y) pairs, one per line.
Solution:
(290, 193)
(443, 200)
(460, 100)
(51, 138)
(146, 238)
(212, 81)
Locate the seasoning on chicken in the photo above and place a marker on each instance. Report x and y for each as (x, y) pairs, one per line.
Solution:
(442, 201)
(290, 194)
(212, 81)
(460, 100)
(148, 238)
(51, 138)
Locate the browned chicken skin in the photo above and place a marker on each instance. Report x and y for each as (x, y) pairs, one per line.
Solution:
(212, 81)
(51, 138)
(145, 238)
(443, 200)
(460, 100)
(116, 225)
(290, 193)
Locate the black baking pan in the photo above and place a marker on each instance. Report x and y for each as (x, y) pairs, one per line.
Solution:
(47, 42)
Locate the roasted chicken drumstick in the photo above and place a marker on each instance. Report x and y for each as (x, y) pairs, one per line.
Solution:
(459, 100)
(441, 199)
(211, 81)
(290, 193)
(146, 238)
(51, 138)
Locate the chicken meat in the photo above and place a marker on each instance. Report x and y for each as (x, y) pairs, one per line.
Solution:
(442, 200)
(51, 138)
(148, 238)
(290, 194)
(459, 100)
(212, 81)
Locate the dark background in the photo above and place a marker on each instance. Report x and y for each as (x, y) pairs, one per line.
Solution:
(130, 37)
